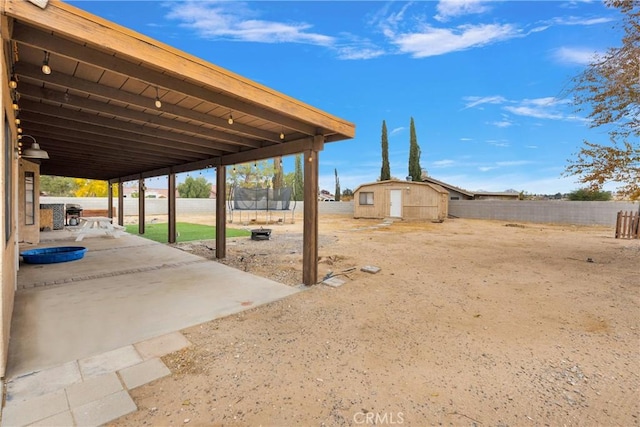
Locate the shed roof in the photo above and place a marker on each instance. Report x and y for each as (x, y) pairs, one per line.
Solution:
(435, 187)
(95, 113)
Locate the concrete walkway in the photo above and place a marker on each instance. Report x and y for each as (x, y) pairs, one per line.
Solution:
(124, 291)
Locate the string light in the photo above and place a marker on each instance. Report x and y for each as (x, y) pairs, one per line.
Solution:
(281, 135)
(46, 69)
(158, 102)
(230, 121)
(13, 83)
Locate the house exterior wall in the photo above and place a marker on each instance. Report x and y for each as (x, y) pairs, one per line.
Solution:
(8, 197)
(454, 195)
(28, 233)
(420, 201)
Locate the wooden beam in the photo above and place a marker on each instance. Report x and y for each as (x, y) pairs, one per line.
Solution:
(271, 107)
(120, 203)
(310, 221)
(213, 136)
(65, 82)
(141, 205)
(221, 212)
(107, 126)
(110, 200)
(172, 208)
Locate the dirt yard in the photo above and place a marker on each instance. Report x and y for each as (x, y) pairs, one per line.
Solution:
(468, 322)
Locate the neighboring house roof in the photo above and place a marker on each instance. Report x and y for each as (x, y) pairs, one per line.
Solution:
(471, 194)
(448, 186)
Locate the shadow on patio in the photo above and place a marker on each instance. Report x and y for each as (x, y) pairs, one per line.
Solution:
(123, 291)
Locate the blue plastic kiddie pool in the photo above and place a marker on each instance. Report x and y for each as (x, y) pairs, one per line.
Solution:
(52, 255)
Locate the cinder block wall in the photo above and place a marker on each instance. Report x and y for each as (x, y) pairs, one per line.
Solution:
(184, 206)
(542, 211)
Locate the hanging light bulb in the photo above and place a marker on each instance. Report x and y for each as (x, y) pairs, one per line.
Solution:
(15, 105)
(13, 82)
(158, 102)
(46, 69)
(281, 135)
(19, 130)
(230, 121)
(17, 120)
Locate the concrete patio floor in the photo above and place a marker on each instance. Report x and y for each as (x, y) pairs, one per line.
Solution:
(123, 291)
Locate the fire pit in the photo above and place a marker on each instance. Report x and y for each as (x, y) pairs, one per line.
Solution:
(53, 255)
(261, 234)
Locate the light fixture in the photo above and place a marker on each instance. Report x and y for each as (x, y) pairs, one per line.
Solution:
(158, 102)
(13, 82)
(46, 69)
(34, 152)
(230, 121)
(19, 129)
(17, 120)
(15, 105)
(281, 134)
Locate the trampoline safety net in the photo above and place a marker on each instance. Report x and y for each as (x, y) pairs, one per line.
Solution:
(268, 199)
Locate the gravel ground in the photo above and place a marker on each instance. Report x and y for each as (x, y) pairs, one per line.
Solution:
(468, 323)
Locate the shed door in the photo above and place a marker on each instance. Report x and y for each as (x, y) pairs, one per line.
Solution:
(395, 203)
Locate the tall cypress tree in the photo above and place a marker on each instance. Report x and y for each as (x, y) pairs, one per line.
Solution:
(415, 171)
(278, 179)
(298, 179)
(385, 171)
(337, 193)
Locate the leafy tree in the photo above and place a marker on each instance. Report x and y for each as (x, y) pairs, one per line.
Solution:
(586, 194)
(298, 179)
(91, 188)
(251, 175)
(193, 188)
(347, 194)
(57, 186)
(337, 192)
(385, 171)
(609, 90)
(415, 171)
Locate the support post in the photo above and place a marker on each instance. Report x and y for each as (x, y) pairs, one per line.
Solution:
(120, 203)
(172, 208)
(310, 222)
(110, 200)
(141, 205)
(221, 212)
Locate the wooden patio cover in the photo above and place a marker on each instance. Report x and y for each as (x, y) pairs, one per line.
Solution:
(95, 113)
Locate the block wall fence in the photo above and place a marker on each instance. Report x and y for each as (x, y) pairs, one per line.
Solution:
(536, 211)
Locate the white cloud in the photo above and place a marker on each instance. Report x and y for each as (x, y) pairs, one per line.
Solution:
(541, 108)
(466, 139)
(397, 130)
(487, 168)
(353, 52)
(454, 8)
(502, 144)
(432, 41)
(576, 20)
(574, 56)
(514, 163)
(501, 124)
(445, 163)
(235, 21)
(474, 101)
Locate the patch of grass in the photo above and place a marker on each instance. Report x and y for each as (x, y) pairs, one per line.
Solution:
(186, 232)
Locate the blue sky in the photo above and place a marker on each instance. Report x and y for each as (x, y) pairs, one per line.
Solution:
(485, 81)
